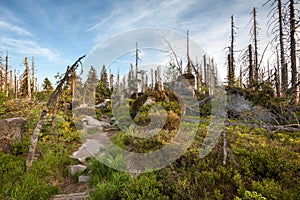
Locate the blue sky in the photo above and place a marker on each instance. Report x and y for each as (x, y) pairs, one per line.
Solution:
(56, 33)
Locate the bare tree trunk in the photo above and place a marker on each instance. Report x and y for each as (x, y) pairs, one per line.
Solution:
(241, 76)
(73, 83)
(284, 75)
(250, 65)
(11, 82)
(57, 92)
(278, 73)
(1, 75)
(32, 78)
(136, 70)
(229, 70)
(256, 68)
(152, 79)
(277, 83)
(146, 84)
(231, 60)
(205, 69)
(293, 52)
(6, 75)
(189, 68)
(16, 85)
(28, 79)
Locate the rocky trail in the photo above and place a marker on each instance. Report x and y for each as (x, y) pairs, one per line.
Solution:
(78, 189)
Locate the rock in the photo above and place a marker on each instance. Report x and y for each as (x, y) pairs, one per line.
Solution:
(88, 149)
(83, 179)
(149, 101)
(239, 106)
(11, 130)
(77, 169)
(94, 146)
(88, 122)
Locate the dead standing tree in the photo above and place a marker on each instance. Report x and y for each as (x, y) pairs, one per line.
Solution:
(231, 76)
(293, 52)
(57, 92)
(255, 39)
(278, 29)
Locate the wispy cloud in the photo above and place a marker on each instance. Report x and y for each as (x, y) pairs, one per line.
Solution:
(5, 26)
(27, 47)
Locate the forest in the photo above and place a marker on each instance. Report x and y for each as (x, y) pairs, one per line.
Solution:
(248, 148)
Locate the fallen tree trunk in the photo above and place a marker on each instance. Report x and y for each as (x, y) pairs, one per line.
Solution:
(57, 92)
(270, 127)
(289, 128)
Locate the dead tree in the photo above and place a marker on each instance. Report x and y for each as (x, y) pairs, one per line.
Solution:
(27, 75)
(136, 70)
(278, 74)
(231, 75)
(189, 67)
(57, 92)
(293, 52)
(279, 29)
(6, 75)
(11, 82)
(152, 79)
(284, 74)
(16, 84)
(277, 83)
(73, 83)
(146, 83)
(255, 38)
(205, 69)
(1, 74)
(32, 78)
(250, 65)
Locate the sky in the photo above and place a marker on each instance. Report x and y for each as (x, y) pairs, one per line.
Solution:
(56, 33)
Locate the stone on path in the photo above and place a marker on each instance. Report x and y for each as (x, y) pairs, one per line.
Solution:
(83, 179)
(72, 196)
(88, 149)
(88, 122)
(77, 169)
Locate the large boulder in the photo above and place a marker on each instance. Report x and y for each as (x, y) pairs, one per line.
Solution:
(11, 130)
(240, 106)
